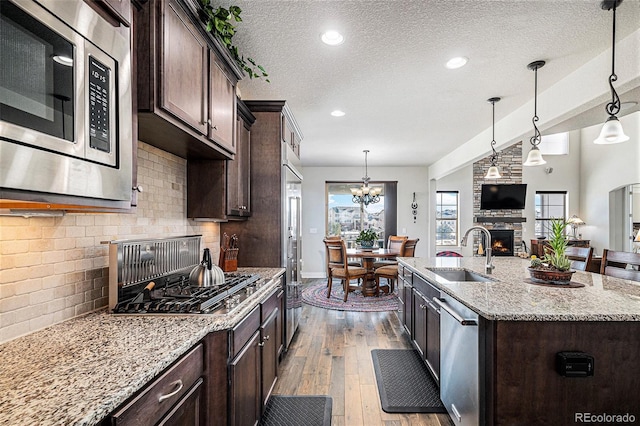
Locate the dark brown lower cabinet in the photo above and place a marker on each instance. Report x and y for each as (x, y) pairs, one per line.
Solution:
(268, 331)
(244, 372)
(426, 324)
(420, 323)
(174, 397)
(189, 411)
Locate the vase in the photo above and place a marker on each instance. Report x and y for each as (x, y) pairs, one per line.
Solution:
(366, 244)
(550, 276)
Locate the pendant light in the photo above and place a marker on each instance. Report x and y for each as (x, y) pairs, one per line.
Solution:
(366, 195)
(493, 172)
(535, 156)
(612, 130)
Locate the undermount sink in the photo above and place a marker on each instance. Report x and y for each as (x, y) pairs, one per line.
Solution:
(460, 275)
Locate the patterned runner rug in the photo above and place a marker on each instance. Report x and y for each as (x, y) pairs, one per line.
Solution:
(315, 294)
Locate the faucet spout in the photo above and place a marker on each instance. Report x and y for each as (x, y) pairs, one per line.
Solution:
(488, 267)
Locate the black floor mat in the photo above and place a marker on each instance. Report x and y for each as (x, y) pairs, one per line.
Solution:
(404, 383)
(297, 410)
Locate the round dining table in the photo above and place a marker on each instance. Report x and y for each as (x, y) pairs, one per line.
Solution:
(368, 257)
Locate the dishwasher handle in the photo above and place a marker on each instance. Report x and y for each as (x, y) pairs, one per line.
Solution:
(443, 305)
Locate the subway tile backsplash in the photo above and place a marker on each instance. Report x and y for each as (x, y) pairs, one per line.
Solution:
(55, 268)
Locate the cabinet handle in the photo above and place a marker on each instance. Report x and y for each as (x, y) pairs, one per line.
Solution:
(138, 188)
(261, 344)
(177, 383)
(266, 337)
(422, 306)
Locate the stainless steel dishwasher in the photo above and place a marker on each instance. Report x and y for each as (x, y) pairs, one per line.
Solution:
(459, 374)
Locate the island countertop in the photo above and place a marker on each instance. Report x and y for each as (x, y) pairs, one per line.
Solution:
(77, 372)
(510, 298)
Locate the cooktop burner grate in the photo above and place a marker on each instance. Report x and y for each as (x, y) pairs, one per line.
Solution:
(177, 297)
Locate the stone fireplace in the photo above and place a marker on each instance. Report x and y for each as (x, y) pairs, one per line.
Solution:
(505, 226)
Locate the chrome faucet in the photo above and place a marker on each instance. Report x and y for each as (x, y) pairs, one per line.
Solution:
(488, 267)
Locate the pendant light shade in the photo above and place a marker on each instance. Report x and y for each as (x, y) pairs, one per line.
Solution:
(612, 130)
(535, 156)
(493, 172)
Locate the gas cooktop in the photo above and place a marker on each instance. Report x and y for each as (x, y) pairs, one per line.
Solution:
(173, 295)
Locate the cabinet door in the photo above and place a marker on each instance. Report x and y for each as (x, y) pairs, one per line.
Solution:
(188, 411)
(280, 328)
(222, 102)
(238, 173)
(183, 70)
(268, 332)
(408, 311)
(120, 9)
(420, 322)
(433, 339)
(245, 384)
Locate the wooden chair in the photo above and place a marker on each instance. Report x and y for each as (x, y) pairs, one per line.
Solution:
(394, 242)
(615, 264)
(390, 272)
(334, 238)
(580, 257)
(339, 267)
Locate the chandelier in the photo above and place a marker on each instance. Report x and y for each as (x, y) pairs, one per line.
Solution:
(364, 194)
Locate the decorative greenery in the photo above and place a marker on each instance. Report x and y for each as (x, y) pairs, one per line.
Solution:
(555, 257)
(367, 235)
(219, 22)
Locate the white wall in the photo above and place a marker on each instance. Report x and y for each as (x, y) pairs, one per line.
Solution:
(564, 177)
(461, 181)
(604, 168)
(410, 180)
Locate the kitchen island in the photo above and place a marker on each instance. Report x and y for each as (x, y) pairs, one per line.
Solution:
(521, 327)
(79, 371)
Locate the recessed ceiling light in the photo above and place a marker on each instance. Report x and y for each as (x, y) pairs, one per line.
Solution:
(332, 38)
(337, 113)
(457, 62)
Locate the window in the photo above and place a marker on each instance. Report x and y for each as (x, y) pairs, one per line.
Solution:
(556, 144)
(446, 218)
(549, 205)
(347, 219)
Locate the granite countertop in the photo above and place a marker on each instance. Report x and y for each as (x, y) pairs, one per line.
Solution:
(510, 298)
(79, 371)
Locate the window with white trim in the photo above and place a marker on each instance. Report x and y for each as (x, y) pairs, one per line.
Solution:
(549, 205)
(446, 218)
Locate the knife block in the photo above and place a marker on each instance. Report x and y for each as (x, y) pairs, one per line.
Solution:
(228, 259)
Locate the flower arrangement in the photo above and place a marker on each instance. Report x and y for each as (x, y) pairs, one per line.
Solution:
(367, 237)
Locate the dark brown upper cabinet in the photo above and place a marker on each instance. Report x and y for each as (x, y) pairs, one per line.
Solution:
(186, 83)
(220, 190)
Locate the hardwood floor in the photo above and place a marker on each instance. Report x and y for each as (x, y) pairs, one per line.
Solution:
(331, 355)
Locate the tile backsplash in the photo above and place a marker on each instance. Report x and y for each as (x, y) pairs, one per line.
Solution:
(55, 268)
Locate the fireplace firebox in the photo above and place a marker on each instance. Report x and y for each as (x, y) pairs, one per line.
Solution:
(502, 242)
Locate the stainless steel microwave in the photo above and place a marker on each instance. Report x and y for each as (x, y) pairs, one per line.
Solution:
(65, 102)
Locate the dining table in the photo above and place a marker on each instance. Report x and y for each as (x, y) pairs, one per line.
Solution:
(368, 257)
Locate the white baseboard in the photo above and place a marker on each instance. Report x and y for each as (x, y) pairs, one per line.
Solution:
(314, 275)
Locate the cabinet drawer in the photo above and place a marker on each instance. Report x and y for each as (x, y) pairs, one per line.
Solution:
(406, 273)
(270, 304)
(240, 334)
(157, 398)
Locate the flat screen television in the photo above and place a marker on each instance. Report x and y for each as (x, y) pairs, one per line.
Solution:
(503, 196)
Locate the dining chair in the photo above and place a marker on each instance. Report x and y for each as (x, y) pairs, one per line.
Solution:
(339, 267)
(390, 272)
(580, 257)
(394, 242)
(616, 264)
(335, 238)
(448, 253)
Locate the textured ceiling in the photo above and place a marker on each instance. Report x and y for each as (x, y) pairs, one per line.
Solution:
(389, 77)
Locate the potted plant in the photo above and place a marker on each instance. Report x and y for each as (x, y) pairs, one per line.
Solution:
(555, 266)
(367, 238)
(218, 22)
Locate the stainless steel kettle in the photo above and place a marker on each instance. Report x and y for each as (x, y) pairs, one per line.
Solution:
(206, 274)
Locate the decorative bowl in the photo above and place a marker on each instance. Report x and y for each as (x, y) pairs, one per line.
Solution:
(550, 276)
